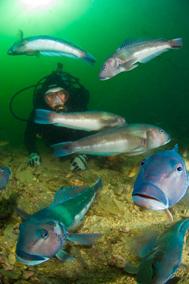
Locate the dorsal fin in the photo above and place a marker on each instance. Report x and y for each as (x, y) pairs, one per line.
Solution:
(126, 43)
(129, 42)
(20, 35)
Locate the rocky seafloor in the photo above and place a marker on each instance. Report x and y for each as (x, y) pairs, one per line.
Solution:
(113, 214)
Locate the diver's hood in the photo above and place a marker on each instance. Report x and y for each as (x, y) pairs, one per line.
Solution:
(29, 259)
(149, 196)
(53, 89)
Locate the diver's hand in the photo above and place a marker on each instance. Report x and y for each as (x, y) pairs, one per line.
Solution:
(79, 163)
(34, 160)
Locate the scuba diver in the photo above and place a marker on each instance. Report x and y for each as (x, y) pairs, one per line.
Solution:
(60, 92)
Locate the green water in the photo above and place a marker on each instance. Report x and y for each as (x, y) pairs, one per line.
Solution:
(156, 92)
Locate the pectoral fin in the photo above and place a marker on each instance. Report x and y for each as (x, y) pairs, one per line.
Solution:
(129, 65)
(83, 239)
(64, 256)
(145, 272)
(130, 268)
(147, 248)
(138, 150)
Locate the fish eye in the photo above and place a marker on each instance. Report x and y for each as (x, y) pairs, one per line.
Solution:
(44, 234)
(105, 66)
(179, 168)
(161, 131)
(142, 163)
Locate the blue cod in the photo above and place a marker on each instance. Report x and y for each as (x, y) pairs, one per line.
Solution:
(44, 234)
(162, 256)
(162, 180)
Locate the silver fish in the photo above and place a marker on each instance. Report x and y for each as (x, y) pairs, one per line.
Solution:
(110, 142)
(131, 53)
(88, 120)
(48, 46)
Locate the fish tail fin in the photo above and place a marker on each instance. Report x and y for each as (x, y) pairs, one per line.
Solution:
(89, 58)
(43, 116)
(63, 149)
(176, 43)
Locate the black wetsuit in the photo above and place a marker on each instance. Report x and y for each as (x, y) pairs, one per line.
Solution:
(78, 101)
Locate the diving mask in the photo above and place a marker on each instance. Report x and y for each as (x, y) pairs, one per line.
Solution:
(56, 98)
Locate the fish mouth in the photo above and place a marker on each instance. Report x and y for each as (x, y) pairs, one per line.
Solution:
(103, 75)
(145, 196)
(102, 78)
(167, 141)
(29, 259)
(150, 196)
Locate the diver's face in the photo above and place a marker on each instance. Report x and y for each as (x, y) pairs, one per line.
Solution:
(56, 100)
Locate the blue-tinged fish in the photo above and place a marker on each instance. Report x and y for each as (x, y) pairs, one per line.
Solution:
(5, 173)
(162, 180)
(161, 257)
(44, 234)
(48, 46)
(131, 53)
(132, 140)
(88, 120)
